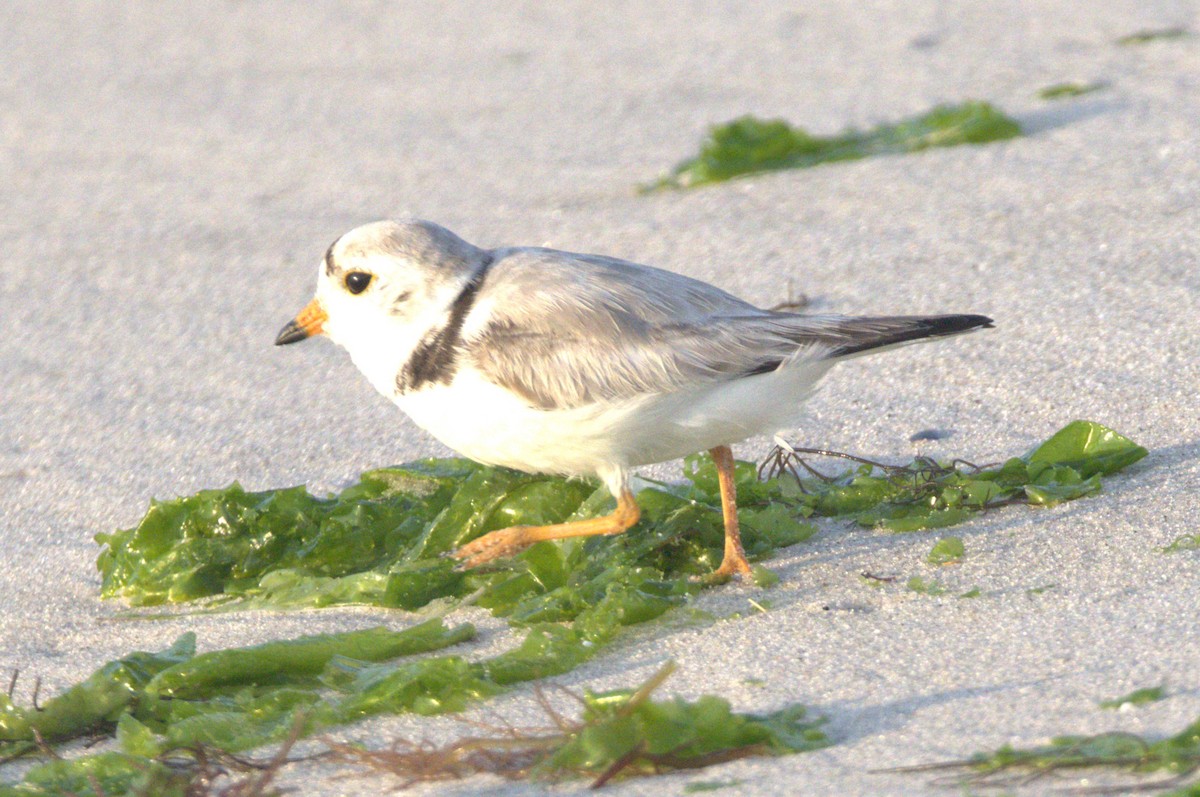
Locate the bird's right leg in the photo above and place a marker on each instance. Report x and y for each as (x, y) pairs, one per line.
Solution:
(734, 562)
(515, 539)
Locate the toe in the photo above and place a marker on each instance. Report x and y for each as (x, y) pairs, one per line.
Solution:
(488, 547)
(733, 568)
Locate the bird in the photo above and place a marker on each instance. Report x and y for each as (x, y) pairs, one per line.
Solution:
(579, 365)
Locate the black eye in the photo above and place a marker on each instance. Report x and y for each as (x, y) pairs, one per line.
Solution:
(357, 281)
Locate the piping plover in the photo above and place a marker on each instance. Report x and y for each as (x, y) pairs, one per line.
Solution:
(574, 364)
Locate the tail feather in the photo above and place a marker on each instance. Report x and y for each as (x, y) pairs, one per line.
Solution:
(839, 337)
(860, 335)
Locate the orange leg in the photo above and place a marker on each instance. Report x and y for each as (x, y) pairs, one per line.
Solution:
(734, 562)
(507, 542)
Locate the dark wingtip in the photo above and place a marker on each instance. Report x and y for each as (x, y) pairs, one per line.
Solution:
(938, 326)
(952, 324)
(908, 329)
(291, 333)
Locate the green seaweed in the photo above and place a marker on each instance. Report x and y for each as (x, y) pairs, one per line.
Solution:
(235, 698)
(1178, 756)
(749, 145)
(946, 551)
(620, 734)
(290, 658)
(922, 587)
(380, 542)
(927, 494)
(100, 775)
(1137, 697)
(1153, 35)
(698, 786)
(99, 699)
(1184, 542)
(1060, 91)
(642, 736)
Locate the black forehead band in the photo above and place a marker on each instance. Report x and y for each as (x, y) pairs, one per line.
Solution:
(329, 265)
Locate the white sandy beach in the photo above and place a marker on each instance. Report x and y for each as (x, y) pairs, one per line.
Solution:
(171, 176)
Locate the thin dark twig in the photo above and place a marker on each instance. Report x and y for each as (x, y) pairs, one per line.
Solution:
(543, 700)
(775, 464)
(919, 465)
(824, 452)
(519, 752)
(621, 763)
(920, 480)
(1029, 766)
(44, 746)
(793, 302)
(494, 722)
(22, 749)
(804, 464)
(96, 738)
(94, 782)
(974, 468)
(646, 690)
(256, 784)
(1154, 785)
(673, 760)
(12, 683)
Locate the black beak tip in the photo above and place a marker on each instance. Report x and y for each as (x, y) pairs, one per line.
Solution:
(291, 333)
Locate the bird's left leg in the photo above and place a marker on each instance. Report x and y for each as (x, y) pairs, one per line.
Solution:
(507, 542)
(734, 562)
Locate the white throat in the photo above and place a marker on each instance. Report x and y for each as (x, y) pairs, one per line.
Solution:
(380, 344)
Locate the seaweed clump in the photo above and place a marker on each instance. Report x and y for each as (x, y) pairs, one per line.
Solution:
(749, 145)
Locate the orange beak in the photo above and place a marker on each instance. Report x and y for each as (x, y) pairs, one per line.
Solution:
(309, 322)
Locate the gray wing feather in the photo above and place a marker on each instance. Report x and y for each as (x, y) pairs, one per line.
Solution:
(568, 330)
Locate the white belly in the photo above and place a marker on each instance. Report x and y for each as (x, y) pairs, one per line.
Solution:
(489, 424)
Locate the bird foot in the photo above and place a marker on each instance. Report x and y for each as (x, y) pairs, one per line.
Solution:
(493, 545)
(734, 566)
(730, 569)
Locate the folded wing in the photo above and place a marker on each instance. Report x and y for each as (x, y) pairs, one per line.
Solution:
(564, 331)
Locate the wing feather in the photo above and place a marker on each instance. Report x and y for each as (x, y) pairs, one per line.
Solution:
(564, 330)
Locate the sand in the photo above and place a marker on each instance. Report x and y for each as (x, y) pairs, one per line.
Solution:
(170, 177)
